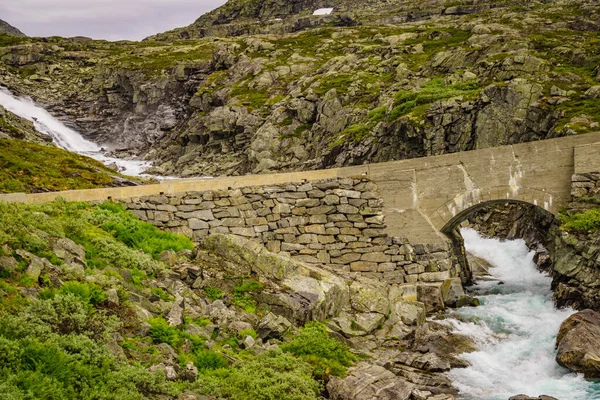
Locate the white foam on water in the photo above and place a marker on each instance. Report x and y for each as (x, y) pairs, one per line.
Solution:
(515, 329)
(64, 136)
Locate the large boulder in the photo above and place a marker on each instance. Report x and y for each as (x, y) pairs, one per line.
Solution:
(296, 291)
(369, 382)
(578, 343)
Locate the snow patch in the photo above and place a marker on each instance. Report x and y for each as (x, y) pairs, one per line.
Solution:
(323, 11)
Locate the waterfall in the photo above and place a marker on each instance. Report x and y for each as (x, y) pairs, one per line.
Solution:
(64, 136)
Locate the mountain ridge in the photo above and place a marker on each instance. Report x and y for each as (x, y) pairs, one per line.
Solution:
(8, 29)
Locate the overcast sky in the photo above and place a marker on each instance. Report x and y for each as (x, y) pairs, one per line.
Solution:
(102, 19)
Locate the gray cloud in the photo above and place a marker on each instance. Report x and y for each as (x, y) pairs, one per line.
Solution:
(102, 19)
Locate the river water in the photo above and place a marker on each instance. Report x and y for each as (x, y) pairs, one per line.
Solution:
(515, 329)
(64, 136)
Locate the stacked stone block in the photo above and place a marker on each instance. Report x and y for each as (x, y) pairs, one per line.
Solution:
(585, 188)
(335, 223)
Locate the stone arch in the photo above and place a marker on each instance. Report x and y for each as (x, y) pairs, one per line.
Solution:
(455, 210)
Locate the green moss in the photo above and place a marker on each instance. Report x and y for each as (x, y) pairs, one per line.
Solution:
(378, 114)
(572, 108)
(250, 98)
(159, 60)
(584, 222)
(430, 92)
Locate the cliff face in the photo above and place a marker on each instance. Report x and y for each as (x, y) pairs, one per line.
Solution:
(7, 29)
(576, 250)
(407, 80)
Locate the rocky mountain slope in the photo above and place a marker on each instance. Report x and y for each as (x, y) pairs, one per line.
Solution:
(407, 79)
(7, 29)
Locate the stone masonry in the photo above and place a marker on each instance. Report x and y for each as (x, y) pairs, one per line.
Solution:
(336, 223)
(585, 189)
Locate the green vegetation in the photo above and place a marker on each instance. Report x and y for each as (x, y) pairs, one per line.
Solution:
(432, 91)
(326, 355)
(55, 346)
(29, 167)
(10, 40)
(274, 375)
(583, 222)
(123, 226)
(5, 126)
(243, 295)
(162, 332)
(251, 98)
(213, 293)
(155, 59)
(90, 294)
(573, 108)
(52, 349)
(30, 227)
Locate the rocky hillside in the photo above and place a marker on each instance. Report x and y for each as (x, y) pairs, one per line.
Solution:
(7, 29)
(406, 79)
(97, 304)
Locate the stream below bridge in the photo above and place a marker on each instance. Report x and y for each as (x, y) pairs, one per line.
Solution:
(515, 330)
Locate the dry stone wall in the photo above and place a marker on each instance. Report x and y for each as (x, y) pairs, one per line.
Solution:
(585, 189)
(336, 223)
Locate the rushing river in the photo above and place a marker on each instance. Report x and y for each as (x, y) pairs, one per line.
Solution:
(515, 329)
(64, 136)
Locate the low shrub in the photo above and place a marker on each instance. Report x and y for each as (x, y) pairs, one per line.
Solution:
(87, 292)
(209, 360)
(162, 332)
(274, 375)
(326, 355)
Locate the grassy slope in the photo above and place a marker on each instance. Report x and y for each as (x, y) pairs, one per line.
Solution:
(55, 329)
(29, 167)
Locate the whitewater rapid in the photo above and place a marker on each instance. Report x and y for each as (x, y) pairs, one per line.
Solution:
(64, 136)
(515, 329)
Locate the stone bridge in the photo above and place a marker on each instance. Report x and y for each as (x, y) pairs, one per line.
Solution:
(387, 221)
(423, 197)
